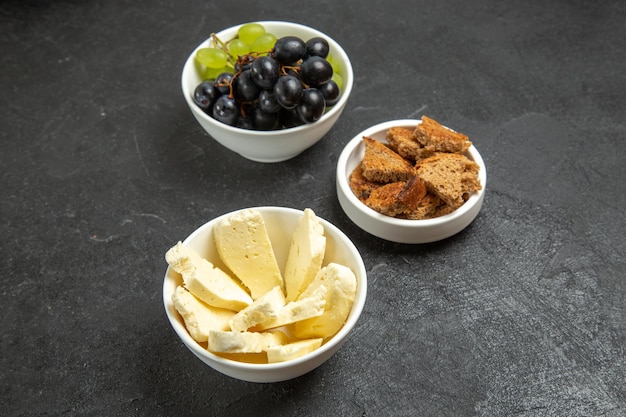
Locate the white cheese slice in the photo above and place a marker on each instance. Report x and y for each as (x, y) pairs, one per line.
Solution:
(244, 245)
(292, 350)
(244, 342)
(207, 282)
(340, 283)
(262, 309)
(305, 308)
(200, 318)
(182, 259)
(306, 254)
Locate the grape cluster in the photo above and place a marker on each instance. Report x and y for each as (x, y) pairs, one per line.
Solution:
(289, 83)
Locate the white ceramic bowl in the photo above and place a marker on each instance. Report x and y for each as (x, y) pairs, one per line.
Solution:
(281, 223)
(275, 145)
(391, 228)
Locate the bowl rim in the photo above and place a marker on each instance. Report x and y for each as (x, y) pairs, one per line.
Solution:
(334, 342)
(335, 47)
(355, 145)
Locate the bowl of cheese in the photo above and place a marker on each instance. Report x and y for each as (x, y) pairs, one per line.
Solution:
(264, 294)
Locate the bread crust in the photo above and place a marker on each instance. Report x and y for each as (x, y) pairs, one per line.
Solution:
(381, 164)
(384, 199)
(402, 141)
(435, 137)
(452, 177)
(412, 193)
(429, 207)
(397, 198)
(361, 186)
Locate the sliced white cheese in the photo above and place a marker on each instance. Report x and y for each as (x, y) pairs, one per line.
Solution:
(305, 308)
(340, 283)
(207, 282)
(262, 309)
(244, 245)
(200, 318)
(306, 254)
(182, 259)
(244, 342)
(292, 350)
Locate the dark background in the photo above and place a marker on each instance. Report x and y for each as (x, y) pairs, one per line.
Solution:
(103, 168)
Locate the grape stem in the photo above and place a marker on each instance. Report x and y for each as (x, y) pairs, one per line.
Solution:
(219, 42)
(285, 68)
(224, 47)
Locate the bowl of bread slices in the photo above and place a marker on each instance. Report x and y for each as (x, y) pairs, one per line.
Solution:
(411, 181)
(264, 294)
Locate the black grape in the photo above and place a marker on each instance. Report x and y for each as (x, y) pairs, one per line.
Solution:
(288, 91)
(331, 92)
(311, 106)
(317, 47)
(205, 95)
(315, 71)
(226, 110)
(264, 71)
(289, 118)
(289, 49)
(264, 121)
(244, 123)
(267, 101)
(222, 82)
(244, 88)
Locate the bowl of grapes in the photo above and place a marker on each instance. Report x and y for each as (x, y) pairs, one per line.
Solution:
(267, 90)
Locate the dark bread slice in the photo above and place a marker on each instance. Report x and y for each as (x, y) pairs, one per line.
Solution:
(381, 164)
(412, 193)
(443, 209)
(435, 137)
(397, 198)
(384, 199)
(452, 177)
(427, 208)
(402, 141)
(361, 186)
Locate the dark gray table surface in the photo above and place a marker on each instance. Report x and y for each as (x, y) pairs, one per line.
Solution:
(104, 168)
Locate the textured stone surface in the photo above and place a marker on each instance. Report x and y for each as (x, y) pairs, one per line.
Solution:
(104, 168)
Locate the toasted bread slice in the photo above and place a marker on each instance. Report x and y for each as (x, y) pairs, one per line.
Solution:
(397, 198)
(384, 199)
(361, 186)
(427, 208)
(381, 164)
(402, 141)
(412, 193)
(450, 176)
(443, 209)
(437, 138)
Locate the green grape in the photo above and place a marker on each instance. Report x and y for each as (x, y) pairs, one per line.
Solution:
(250, 32)
(212, 73)
(237, 48)
(212, 57)
(263, 44)
(333, 63)
(337, 79)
